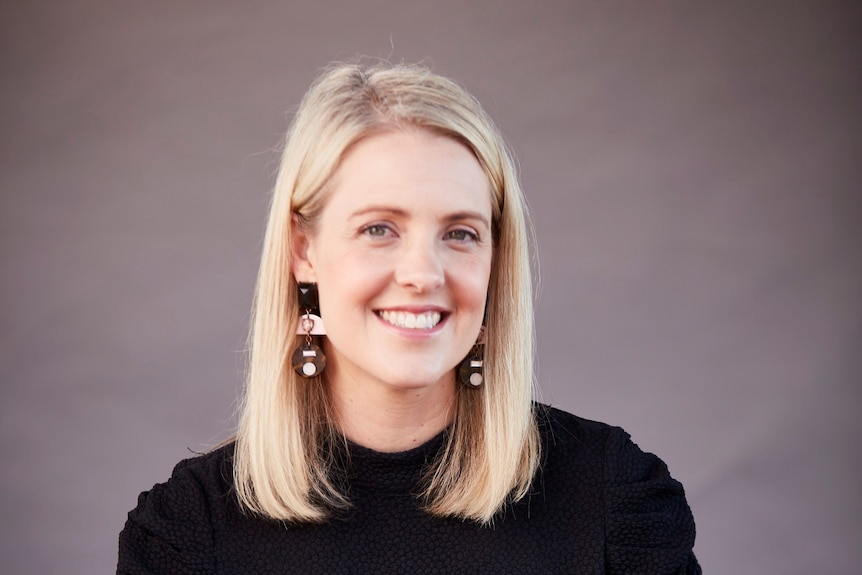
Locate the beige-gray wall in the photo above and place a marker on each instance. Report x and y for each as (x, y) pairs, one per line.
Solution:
(694, 174)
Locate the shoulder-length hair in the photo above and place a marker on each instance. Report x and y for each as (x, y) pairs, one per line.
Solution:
(284, 457)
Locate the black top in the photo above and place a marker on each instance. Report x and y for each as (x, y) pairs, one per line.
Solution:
(597, 505)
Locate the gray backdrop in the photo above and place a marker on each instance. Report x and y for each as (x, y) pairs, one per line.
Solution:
(694, 174)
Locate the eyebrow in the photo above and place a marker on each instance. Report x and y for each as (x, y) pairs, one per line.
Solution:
(376, 209)
(453, 217)
(468, 215)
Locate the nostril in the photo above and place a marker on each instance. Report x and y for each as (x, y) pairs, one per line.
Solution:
(422, 275)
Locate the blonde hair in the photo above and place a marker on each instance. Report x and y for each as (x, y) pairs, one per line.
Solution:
(285, 456)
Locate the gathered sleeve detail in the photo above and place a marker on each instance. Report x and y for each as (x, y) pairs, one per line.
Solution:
(649, 527)
(169, 531)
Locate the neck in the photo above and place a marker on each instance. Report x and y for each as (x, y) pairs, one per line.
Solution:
(388, 419)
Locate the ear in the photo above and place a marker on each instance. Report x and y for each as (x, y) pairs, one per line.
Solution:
(300, 251)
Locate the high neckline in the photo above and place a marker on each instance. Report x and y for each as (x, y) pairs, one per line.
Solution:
(391, 472)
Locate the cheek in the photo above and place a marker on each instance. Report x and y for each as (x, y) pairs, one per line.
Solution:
(348, 282)
(472, 280)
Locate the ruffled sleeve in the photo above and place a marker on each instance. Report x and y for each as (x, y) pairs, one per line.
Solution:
(169, 531)
(649, 526)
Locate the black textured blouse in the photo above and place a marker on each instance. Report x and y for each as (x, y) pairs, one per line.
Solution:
(598, 505)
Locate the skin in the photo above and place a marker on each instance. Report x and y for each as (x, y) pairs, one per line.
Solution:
(406, 228)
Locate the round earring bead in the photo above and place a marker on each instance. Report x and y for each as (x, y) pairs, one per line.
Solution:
(308, 360)
(470, 372)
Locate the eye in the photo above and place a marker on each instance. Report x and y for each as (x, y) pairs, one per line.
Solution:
(377, 230)
(462, 235)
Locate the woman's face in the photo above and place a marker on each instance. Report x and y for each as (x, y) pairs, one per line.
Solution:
(401, 254)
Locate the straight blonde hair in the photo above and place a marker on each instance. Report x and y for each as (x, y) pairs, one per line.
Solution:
(285, 454)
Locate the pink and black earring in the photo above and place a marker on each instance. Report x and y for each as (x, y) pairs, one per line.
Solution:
(308, 359)
(470, 370)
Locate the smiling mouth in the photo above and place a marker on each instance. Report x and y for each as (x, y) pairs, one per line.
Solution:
(408, 320)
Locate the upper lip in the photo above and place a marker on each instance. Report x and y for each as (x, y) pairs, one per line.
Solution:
(416, 309)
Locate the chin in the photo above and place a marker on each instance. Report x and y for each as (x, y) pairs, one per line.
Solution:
(412, 380)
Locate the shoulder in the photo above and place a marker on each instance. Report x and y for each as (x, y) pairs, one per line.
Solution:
(594, 452)
(211, 470)
(570, 434)
(647, 520)
(171, 526)
(567, 426)
(193, 483)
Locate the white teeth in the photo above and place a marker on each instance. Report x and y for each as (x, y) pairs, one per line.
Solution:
(426, 320)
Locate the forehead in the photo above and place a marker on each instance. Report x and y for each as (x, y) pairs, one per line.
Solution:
(410, 168)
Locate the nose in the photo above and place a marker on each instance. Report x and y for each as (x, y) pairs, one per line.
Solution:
(420, 266)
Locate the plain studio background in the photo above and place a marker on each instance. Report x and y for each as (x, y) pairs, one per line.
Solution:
(694, 174)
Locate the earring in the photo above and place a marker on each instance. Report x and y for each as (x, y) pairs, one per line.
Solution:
(308, 359)
(470, 370)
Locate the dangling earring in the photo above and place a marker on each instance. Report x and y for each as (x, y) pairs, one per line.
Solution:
(470, 370)
(308, 359)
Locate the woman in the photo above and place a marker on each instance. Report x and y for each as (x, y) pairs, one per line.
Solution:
(387, 424)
